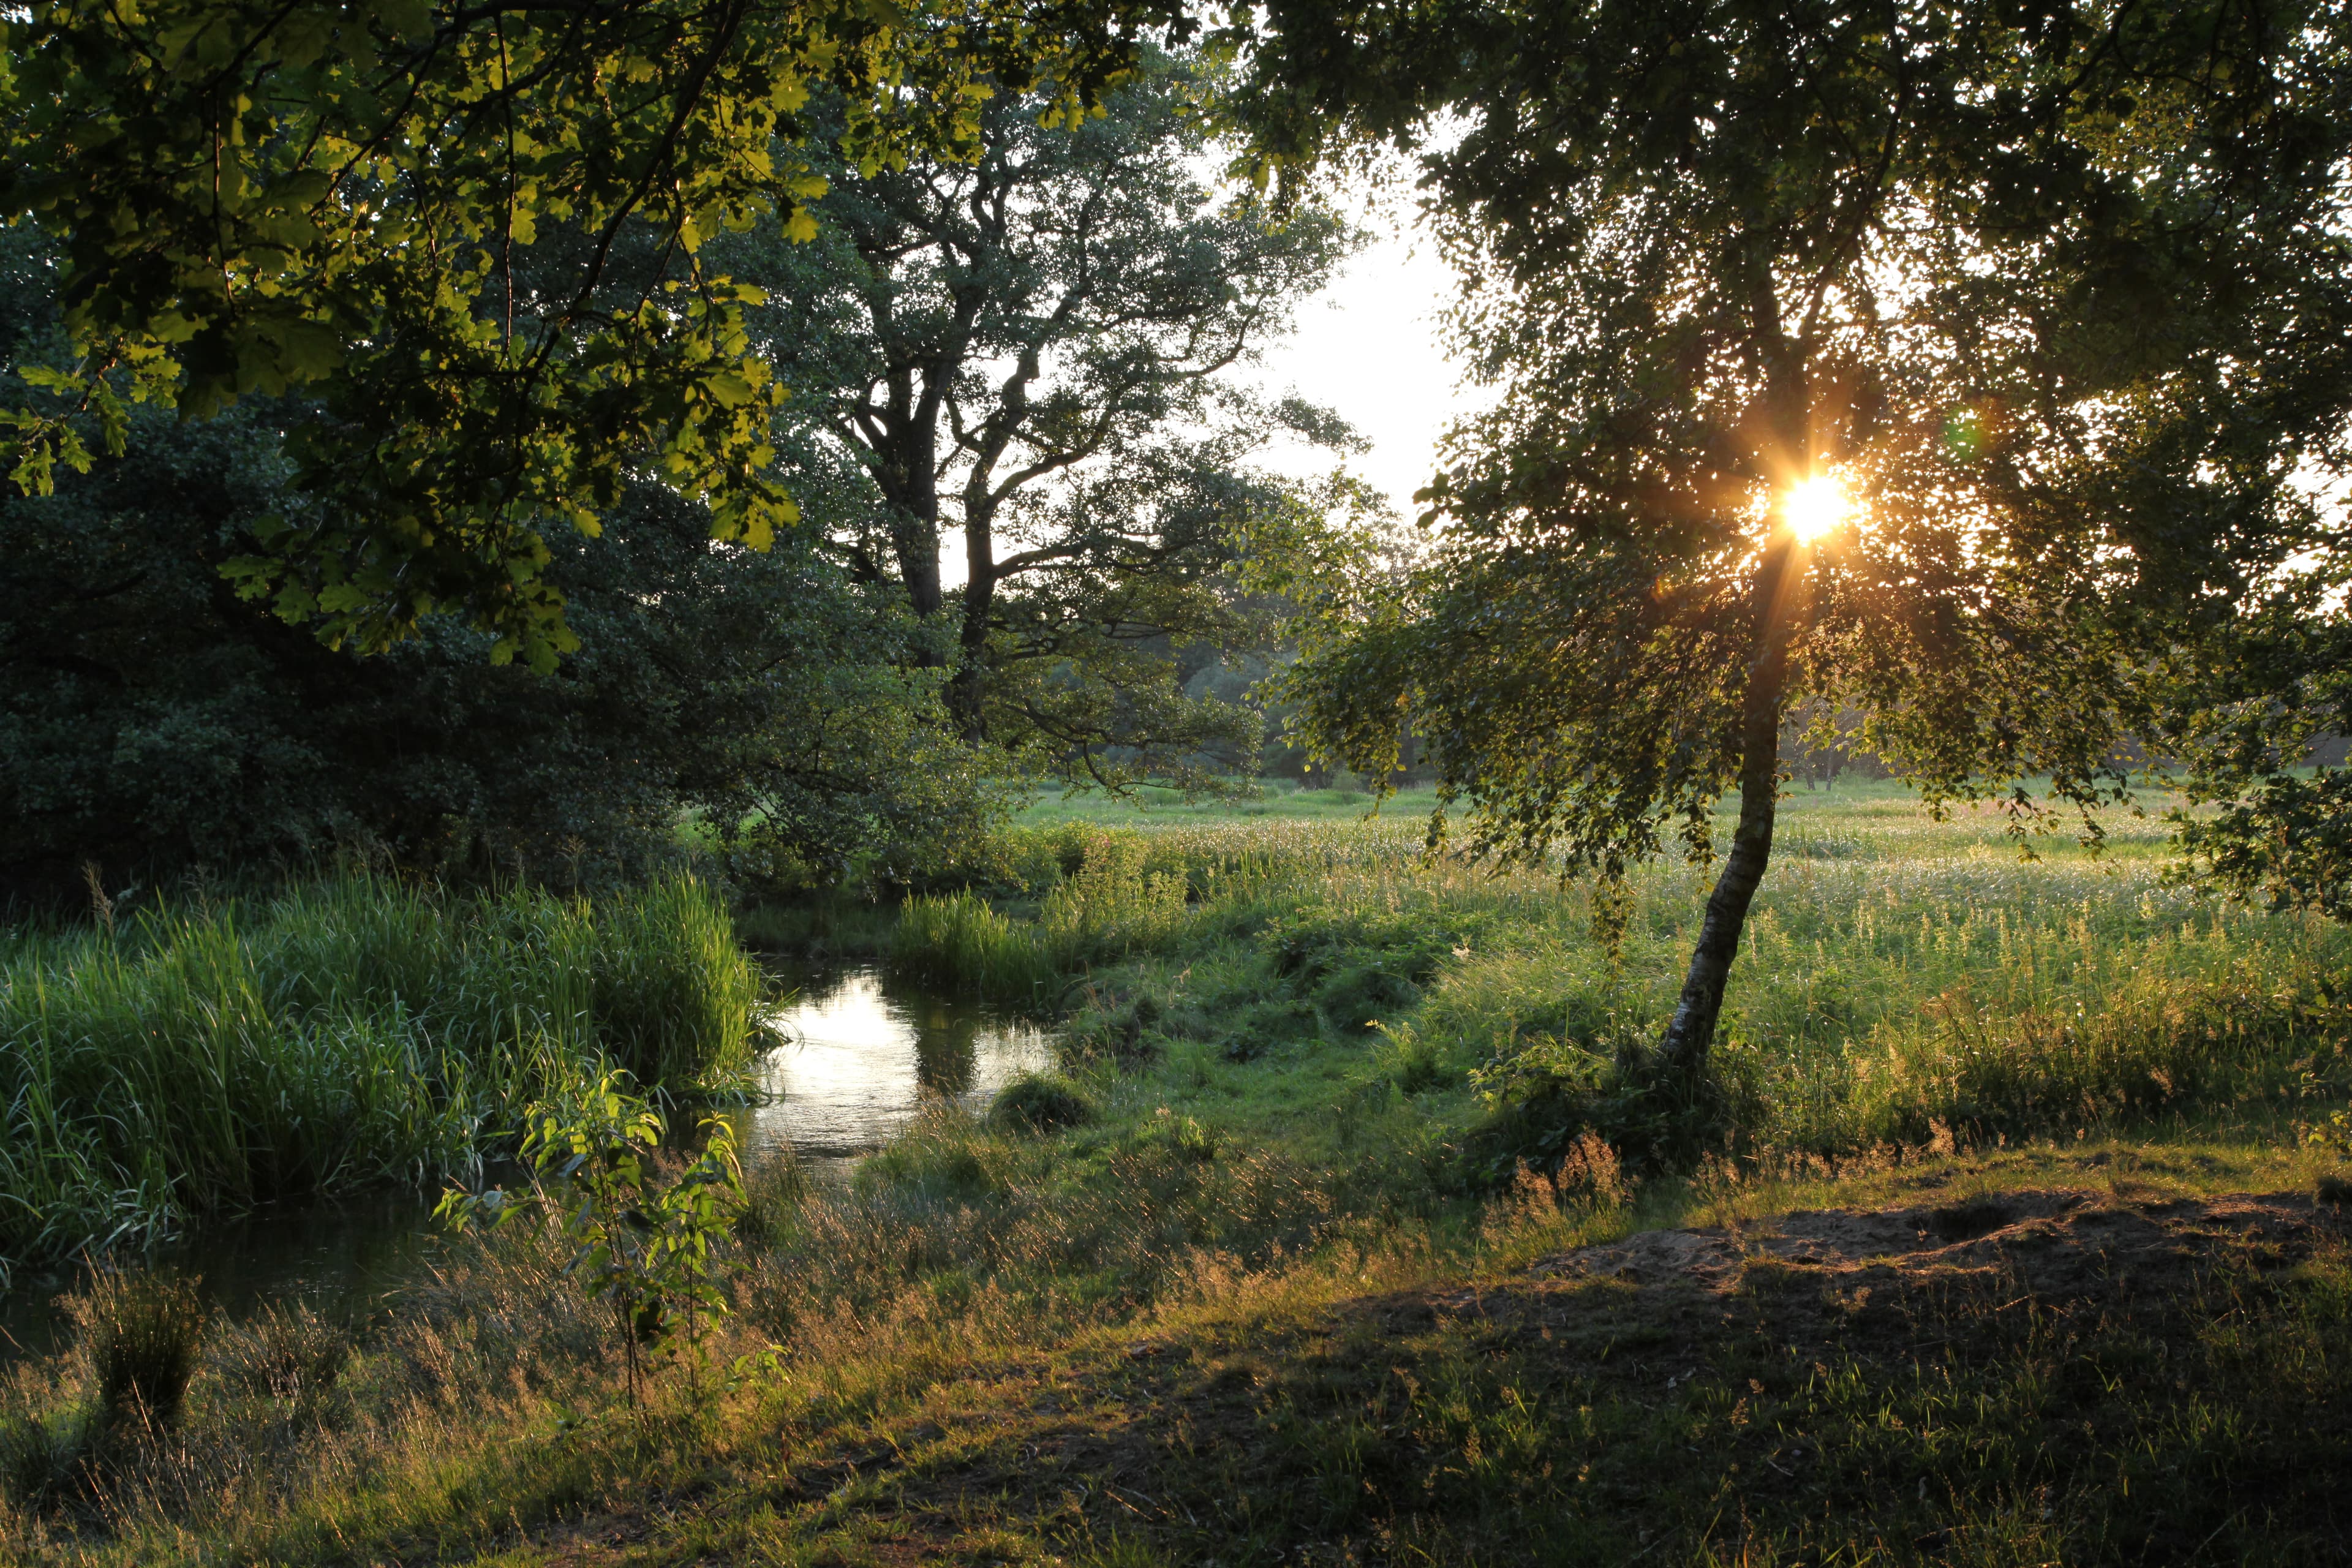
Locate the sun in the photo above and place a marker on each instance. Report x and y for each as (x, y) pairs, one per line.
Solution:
(1815, 507)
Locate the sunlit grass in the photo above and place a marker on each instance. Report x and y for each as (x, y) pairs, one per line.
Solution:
(1254, 1302)
(1901, 979)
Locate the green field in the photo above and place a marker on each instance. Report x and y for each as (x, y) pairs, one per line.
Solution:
(1262, 1293)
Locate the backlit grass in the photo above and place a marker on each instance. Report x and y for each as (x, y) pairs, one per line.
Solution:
(1399, 1393)
(1902, 980)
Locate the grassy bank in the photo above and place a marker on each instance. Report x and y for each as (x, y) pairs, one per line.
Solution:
(359, 1030)
(1404, 1391)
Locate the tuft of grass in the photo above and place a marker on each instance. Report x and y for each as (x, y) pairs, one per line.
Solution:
(1041, 1103)
(142, 1331)
(774, 1187)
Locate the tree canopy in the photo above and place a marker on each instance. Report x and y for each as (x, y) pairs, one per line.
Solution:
(1032, 360)
(256, 198)
(2058, 295)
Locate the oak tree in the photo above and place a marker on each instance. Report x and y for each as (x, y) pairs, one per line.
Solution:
(1032, 360)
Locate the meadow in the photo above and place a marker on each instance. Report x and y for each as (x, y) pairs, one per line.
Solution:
(1267, 1271)
(1902, 980)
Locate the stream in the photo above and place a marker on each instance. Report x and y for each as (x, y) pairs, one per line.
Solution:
(864, 1052)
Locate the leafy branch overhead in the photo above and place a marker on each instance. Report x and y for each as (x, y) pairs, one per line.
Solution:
(250, 197)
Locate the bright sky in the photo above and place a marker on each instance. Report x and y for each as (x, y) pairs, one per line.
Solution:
(1369, 347)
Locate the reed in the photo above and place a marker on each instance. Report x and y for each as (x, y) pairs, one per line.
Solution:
(1107, 896)
(354, 1031)
(958, 941)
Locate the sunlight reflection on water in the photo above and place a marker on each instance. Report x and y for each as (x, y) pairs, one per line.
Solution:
(863, 1056)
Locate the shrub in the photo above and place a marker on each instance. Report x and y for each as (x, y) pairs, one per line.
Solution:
(1246, 1025)
(1127, 1033)
(1549, 1099)
(639, 1245)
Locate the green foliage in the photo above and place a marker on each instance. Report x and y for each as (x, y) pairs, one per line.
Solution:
(479, 252)
(1281, 1252)
(1041, 1103)
(2252, 710)
(353, 1031)
(151, 722)
(640, 1245)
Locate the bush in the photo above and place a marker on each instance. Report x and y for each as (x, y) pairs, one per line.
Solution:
(1551, 1098)
(1041, 1103)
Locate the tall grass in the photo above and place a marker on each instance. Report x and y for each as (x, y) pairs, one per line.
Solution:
(1106, 895)
(354, 1031)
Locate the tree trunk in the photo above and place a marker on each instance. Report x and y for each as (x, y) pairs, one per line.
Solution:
(907, 474)
(965, 708)
(1692, 1029)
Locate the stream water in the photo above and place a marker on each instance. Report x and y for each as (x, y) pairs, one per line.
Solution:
(864, 1052)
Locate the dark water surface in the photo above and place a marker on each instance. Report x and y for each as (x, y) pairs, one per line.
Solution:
(864, 1052)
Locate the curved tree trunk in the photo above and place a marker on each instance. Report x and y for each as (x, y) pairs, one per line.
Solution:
(1691, 1031)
